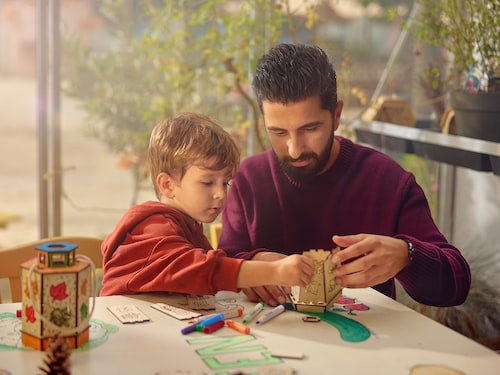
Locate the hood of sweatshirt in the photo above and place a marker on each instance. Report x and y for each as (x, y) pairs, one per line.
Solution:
(134, 216)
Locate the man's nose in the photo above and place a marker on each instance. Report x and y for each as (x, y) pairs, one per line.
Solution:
(295, 147)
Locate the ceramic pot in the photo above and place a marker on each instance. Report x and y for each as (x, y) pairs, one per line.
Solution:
(477, 115)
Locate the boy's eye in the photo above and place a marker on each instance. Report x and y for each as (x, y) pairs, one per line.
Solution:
(207, 183)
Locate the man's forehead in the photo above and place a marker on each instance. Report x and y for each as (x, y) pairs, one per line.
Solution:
(294, 115)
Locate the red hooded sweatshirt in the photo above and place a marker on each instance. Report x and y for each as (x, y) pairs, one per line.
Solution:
(157, 248)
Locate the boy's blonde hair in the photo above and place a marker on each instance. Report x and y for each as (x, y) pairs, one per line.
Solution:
(190, 139)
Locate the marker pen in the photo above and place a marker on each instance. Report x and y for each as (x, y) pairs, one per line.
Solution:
(216, 318)
(213, 327)
(189, 329)
(271, 314)
(234, 313)
(240, 327)
(257, 309)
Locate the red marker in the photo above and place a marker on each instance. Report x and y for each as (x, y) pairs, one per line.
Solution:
(213, 327)
(240, 327)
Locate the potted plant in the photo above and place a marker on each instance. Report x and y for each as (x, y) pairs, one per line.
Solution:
(468, 30)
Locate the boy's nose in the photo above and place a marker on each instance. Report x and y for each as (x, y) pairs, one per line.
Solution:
(219, 193)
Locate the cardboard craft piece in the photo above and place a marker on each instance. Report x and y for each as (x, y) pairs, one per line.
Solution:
(322, 292)
(201, 302)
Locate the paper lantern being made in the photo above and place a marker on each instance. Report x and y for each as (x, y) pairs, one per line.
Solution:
(322, 291)
(57, 286)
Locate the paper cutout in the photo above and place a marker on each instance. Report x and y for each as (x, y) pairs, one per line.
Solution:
(322, 292)
(175, 312)
(128, 314)
(204, 302)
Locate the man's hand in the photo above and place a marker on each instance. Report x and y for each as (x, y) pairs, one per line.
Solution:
(271, 294)
(367, 260)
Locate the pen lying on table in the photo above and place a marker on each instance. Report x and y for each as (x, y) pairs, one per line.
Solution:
(252, 314)
(271, 314)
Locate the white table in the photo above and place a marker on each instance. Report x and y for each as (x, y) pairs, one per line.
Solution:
(399, 340)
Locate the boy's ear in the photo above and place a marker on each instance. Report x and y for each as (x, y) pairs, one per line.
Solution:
(166, 185)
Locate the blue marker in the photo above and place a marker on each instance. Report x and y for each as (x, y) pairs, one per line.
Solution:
(213, 319)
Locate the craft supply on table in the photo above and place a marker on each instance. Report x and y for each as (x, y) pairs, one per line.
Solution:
(240, 327)
(128, 314)
(234, 313)
(201, 302)
(311, 319)
(214, 326)
(175, 311)
(190, 328)
(252, 314)
(271, 314)
(288, 355)
(213, 319)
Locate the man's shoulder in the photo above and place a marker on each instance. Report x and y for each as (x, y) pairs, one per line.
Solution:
(366, 154)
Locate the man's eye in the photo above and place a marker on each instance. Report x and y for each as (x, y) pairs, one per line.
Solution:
(311, 129)
(279, 133)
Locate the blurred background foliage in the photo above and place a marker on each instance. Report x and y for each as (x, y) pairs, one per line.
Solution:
(161, 57)
(171, 56)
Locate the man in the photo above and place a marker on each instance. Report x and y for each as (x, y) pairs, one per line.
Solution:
(314, 190)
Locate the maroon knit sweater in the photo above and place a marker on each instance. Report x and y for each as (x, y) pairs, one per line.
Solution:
(364, 192)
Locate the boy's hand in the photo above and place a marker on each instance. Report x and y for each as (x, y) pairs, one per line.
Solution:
(294, 270)
(274, 295)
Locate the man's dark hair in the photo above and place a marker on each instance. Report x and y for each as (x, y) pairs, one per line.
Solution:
(289, 73)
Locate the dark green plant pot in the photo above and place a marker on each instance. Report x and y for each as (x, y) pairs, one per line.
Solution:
(477, 115)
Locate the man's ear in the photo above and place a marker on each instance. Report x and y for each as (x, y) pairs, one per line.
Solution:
(166, 185)
(337, 114)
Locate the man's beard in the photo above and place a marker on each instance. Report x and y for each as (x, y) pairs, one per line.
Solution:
(307, 173)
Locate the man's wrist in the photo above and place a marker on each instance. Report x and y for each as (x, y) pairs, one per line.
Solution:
(411, 248)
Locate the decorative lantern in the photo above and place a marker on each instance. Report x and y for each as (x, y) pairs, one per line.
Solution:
(322, 292)
(56, 286)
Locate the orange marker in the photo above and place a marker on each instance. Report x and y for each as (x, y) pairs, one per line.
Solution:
(240, 327)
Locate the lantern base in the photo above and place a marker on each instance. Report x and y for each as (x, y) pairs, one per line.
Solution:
(41, 343)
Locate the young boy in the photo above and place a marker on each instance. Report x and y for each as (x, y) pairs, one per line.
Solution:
(160, 246)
